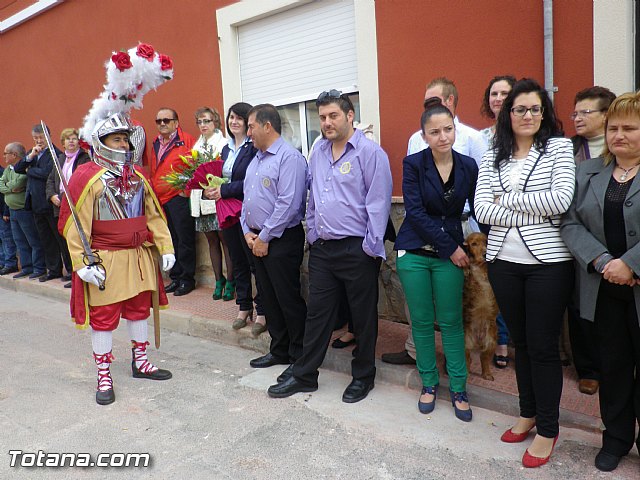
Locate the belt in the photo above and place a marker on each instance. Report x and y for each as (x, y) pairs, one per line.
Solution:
(253, 230)
(423, 253)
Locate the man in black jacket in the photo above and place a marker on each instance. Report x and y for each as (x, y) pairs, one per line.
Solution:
(37, 165)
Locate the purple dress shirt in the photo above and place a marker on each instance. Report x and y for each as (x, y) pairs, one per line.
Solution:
(275, 191)
(351, 196)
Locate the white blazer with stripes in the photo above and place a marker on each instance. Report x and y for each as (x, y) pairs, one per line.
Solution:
(547, 184)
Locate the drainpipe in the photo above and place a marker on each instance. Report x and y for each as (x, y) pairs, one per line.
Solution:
(548, 48)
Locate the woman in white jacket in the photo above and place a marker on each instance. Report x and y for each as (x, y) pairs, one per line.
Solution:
(526, 182)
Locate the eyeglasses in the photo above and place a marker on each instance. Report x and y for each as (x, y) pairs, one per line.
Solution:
(584, 113)
(8, 153)
(521, 111)
(204, 121)
(166, 121)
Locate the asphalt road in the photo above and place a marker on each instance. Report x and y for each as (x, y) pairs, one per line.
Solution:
(213, 420)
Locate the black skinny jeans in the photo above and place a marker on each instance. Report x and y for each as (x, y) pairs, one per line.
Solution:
(533, 299)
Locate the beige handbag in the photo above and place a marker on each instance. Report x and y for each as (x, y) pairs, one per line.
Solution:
(201, 206)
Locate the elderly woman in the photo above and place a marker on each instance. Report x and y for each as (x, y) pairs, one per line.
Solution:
(436, 182)
(211, 139)
(526, 182)
(72, 157)
(601, 230)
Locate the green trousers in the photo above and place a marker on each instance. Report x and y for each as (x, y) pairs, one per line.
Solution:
(433, 289)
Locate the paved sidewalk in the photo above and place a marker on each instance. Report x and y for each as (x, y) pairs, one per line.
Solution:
(198, 315)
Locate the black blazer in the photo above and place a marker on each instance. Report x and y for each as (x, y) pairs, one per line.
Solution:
(234, 189)
(429, 219)
(37, 172)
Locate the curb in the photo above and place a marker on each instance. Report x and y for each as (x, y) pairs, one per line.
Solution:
(335, 360)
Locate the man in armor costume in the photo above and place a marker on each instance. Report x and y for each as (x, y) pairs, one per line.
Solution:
(119, 216)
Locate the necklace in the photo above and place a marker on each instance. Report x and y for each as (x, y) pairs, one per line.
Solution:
(626, 171)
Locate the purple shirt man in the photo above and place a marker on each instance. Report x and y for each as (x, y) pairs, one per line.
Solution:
(274, 191)
(351, 196)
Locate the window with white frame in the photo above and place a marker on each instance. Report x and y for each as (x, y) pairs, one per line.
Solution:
(289, 58)
(286, 52)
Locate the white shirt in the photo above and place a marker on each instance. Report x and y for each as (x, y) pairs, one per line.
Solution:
(468, 142)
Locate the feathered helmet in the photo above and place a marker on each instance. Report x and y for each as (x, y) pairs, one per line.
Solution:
(130, 75)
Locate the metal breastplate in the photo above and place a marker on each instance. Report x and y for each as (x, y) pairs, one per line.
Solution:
(118, 201)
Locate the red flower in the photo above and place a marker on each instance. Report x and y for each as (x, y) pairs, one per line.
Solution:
(122, 61)
(139, 86)
(145, 51)
(165, 62)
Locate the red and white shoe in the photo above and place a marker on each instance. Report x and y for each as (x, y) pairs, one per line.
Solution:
(140, 365)
(104, 394)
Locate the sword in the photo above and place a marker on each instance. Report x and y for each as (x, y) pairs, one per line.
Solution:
(90, 257)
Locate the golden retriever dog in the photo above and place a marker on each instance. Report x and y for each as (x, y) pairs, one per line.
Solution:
(479, 306)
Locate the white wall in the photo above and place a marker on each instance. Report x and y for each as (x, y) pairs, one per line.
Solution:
(613, 40)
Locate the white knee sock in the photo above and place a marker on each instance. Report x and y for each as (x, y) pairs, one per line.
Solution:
(102, 343)
(138, 334)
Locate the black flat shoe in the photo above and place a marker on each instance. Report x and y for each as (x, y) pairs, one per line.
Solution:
(288, 388)
(49, 276)
(267, 360)
(183, 290)
(8, 270)
(35, 275)
(399, 358)
(339, 343)
(172, 287)
(286, 375)
(105, 397)
(22, 274)
(159, 374)
(356, 391)
(606, 462)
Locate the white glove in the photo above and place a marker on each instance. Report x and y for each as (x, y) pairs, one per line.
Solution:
(91, 275)
(168, 259)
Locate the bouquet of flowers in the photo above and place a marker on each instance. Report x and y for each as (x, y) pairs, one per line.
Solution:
(209, 175)
(181, 178)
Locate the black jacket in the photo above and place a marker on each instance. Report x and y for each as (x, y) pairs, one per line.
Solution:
(37, 172)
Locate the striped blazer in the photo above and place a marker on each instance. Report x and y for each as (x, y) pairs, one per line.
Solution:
(546, 189)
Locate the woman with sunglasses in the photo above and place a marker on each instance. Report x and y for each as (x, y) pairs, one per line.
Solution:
(526, 182)
(212, 139)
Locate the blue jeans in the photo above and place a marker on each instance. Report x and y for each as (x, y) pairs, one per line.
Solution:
(26, 237)
(8, 247)
(503, 332)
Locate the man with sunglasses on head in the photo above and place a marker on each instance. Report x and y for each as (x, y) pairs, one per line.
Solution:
(275, 192)
(349, 203)
(169, 145)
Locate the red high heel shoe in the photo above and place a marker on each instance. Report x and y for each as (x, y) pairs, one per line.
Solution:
(510, 437)
(529, 461)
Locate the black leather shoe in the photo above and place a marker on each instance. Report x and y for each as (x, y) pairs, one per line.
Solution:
(67, 285)
(606, 462)
(183, 289)
(172, 287)
(49, 276)
(66, 278)
(339, 343)
(399, 358)
(159, 374)
(105, 397)
(35, 275)
(286, 375)
(288, 388)
(267, 360)
(8, 270)
(356, 391)
(22, 274)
